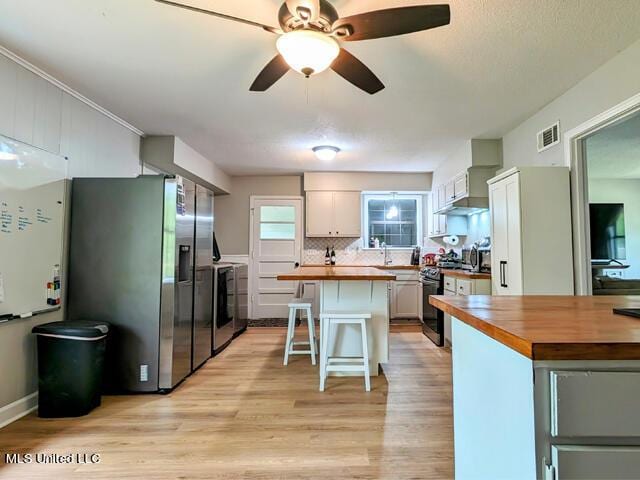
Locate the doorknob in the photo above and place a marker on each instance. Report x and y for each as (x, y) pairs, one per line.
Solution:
(297, 264)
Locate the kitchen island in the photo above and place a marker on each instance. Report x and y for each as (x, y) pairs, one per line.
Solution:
(545, 387)
(353, 290)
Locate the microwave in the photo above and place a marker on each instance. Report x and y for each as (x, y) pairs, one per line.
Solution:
(470, 259)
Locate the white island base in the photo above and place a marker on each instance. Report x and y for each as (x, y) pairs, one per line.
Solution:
(358, 296)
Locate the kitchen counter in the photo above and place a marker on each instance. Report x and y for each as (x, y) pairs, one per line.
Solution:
(556, 372)
(337, 273)
(381, 267)
(552, 327)
(353, 289)
(465, 274)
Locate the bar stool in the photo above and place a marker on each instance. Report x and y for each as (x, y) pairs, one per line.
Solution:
(343, 364)
(302, 305)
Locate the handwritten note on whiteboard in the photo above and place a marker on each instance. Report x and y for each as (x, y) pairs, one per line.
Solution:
(32, 207)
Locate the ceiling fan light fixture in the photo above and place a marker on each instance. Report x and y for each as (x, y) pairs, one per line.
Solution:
(308, 52)
(326, 152)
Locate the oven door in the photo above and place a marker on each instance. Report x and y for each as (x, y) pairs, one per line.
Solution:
(432, 318)
(224, 308)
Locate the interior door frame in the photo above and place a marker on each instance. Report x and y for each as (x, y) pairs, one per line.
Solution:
(574, 158)
(300, 228)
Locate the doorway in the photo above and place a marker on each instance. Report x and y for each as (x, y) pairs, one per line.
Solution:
(605, 155)
(275, 248)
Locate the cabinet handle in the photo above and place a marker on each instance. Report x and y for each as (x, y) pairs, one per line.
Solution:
(503, 274)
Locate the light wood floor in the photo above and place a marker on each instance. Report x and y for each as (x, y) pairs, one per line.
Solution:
(244, 415)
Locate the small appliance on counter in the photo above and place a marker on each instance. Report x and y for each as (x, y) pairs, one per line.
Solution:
(430, 259)
(415, 256)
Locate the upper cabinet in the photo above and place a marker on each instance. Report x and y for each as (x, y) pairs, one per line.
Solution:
(333, 214)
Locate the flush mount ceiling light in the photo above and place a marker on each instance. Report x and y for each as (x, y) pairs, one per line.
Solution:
(308, 52)
(311, 34)
(326, 152)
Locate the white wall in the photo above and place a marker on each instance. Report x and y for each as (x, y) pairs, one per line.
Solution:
(362, 181)
(612, 83)
(232, 211)
(628, 192)
(37, 112)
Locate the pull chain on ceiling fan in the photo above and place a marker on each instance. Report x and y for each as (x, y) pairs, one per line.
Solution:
(311, 33)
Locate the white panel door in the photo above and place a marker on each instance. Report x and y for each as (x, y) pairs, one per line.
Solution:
(347, 210)
(276, 247)
(513, 268)
(506, 238)
(499, 236)
(320, 218)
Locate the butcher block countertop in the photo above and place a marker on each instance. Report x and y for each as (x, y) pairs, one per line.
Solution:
(465, 274)
(337, 273)
(552, 327)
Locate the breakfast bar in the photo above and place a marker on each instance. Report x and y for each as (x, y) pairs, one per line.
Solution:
(353, 290)
(550, 383)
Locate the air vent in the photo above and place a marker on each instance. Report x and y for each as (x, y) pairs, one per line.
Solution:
(549, 137)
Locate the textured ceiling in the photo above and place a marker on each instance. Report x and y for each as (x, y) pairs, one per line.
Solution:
(614, 152)
(169, 71)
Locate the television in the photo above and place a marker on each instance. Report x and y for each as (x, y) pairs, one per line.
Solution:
(607, 231)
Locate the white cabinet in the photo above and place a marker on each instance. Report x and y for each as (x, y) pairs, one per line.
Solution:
(449, 191)
(405, 295)
(578, 462)
(462, 287)
(460, 185)
(531, 240)
(347, 212)
(333, 214)
(406, 299)
(441, 197)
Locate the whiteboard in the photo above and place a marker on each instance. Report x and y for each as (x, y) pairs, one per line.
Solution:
(32, 197)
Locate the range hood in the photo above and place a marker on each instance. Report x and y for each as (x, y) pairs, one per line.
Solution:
(466, 206)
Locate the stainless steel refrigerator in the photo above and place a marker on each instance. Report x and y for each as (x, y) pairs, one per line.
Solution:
(132, 263)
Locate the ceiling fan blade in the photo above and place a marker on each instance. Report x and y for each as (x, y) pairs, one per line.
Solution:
(221, 15)
(393, 21)
(270, 74)
(309, 8)
(356, 72)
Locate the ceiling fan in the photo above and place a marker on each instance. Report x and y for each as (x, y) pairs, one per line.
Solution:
(311, 31)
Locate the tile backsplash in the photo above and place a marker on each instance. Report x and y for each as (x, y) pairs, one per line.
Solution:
(349, 251)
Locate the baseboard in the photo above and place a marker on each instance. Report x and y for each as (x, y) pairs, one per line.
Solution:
(18, 409)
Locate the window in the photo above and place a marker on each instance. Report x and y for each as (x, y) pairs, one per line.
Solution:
(395, 220)
(277, 223)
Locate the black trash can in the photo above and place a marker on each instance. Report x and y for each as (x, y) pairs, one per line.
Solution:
(70, 367)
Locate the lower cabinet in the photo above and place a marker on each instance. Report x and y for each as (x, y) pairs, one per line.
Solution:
(579, 462)
(461, 287)
(406, 299)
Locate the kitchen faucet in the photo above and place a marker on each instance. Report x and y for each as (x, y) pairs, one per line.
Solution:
(387, 260)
